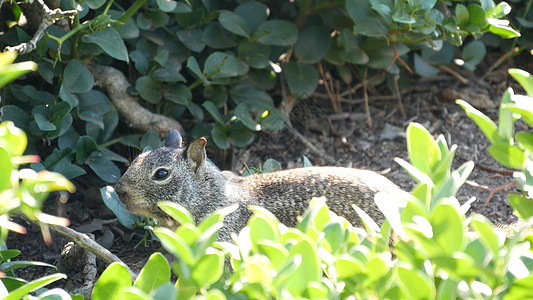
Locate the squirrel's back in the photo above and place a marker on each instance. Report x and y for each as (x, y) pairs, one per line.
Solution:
(287, 193)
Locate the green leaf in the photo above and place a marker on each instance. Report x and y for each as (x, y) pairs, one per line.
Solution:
(192, 65)
(523, 205)
(277, 32)
(155, 272)
(167, 5)
(472, 54)
(77, 78)
(149, 89)
(417, 175)
(177, 212)
(301, 78)
(178, 93)
(213, 110)
(216, 37)
(448, 229)
(220, 136)
(276, 253)
(455, 181)
(510, 156)
(141, 62)
(110, 41)
(104, 168)
(232, 22)
(520, 289)
(13, 113)
(424, 152)
(222, 65)
(263, 227)
(348, 266)
(9, 254)
(462, 15)
(17, 264)
(253, 12)
(524, 78)
(313, 44)
(271, 165)
(241, 137)
(415, 284)
(309, 270)
(254, 97)
(502, 28)
(242, 113)
(208, 269)
(86, 146)
(192, 39)
(94, 4)
(12, 139)
(113, 279)
(485, 228)
(112, 202)
(175, 244)
(523, 106)
(34, 285)
(486, 125)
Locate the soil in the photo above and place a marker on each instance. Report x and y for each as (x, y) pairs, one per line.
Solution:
(345, 135)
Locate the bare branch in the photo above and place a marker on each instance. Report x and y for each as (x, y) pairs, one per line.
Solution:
(50, 16)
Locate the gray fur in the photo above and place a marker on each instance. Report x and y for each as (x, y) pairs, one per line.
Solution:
(202, 188)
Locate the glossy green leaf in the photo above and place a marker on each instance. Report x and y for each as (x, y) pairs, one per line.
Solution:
(455, 181)
(472, 54)
(110, 41)
(313, 44)
(275, 252)
(485, 228)
(424, 152)
(415, 284)
(302, 79)
(35, 285)
(208, 269)
(86, 146)
(104, 168)
(12, 139)
(177, 212)
(486, 125)
(462, 15)
(347, 266)
(523, 106)
(13, 113)
(149, 89)
(308, 270)
(233, 22)
(510, 156)
(524, 78)
(192, 65)
(216, 37)
(192, 39)
(277, 32)
(155, 272)
(219, 133)
(175, 244)
(113, 279)
(77, 78)
(523, 205)
(448, 228)
(213, 110)
(166, 5)
(520, 289)
(112, 202)
(222, 65)
(253, 12)
(505, 117)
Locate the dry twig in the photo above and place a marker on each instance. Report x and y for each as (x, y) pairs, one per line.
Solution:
(50, 16)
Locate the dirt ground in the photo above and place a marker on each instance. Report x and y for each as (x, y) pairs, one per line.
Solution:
(346, 136)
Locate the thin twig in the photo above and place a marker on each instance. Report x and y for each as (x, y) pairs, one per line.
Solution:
(492, 192)
(454, 74)
(365, 95)
(50, 16)
(398, 95)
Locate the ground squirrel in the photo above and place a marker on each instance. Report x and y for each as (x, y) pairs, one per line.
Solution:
(183, 175)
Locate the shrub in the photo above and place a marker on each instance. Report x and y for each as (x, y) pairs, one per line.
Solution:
(213, 65)
(430, 256)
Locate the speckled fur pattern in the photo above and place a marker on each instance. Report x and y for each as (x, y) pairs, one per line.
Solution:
(202, 188)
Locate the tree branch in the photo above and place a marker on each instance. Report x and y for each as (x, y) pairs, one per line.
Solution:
(116, 84)
(50, 16)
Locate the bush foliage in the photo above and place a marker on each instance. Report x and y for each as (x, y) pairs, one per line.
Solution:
(215, 64)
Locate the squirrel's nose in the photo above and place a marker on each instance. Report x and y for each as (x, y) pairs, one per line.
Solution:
(121, 192)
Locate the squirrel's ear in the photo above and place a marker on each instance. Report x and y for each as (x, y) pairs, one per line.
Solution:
(195, 153)
(173, 139)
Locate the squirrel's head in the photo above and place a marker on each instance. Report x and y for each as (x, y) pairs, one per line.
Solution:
(163, 174)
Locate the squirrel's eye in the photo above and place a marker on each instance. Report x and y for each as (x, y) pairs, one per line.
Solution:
(161, 174)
